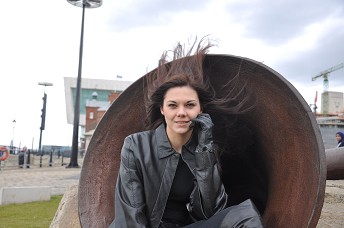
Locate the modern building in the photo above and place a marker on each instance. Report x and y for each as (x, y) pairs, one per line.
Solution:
(97, 94)
(95, 110)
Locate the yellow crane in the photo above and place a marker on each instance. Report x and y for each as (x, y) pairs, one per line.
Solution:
(325, 75)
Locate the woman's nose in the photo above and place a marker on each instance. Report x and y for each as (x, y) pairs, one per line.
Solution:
(181, 112)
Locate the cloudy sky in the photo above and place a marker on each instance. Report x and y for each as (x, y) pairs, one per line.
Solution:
(39, 42)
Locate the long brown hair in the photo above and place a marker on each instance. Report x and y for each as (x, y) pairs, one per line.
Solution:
(186, 69)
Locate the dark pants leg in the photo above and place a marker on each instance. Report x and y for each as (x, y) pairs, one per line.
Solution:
(243, 215)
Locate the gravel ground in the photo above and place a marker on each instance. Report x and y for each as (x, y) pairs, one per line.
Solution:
(332, 214)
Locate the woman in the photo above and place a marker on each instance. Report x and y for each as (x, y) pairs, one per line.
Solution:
(340, 139)
(170, 176)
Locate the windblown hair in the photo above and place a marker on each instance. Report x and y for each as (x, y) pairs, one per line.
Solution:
(186, 69)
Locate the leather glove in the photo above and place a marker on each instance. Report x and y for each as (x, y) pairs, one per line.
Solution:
(204, 125)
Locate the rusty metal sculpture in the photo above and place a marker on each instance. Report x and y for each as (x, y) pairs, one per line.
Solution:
(288, 161)
(335, 163)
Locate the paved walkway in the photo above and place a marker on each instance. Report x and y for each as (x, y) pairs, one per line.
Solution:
(58, 177)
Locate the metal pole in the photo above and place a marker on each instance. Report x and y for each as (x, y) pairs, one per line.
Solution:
(74, 156)
(51, 159)
(42, 127)
(40, 148)
(28, 159)
(12, 143)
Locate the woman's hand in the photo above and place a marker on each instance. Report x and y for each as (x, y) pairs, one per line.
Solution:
(204, 126)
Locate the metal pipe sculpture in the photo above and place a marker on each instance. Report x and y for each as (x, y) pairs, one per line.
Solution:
(335, 163)
(284, 172)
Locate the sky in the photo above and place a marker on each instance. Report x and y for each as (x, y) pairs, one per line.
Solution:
(40, 41)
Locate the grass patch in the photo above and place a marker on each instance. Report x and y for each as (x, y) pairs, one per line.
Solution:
(29, 215)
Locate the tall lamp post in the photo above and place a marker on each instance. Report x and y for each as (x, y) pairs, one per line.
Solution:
(84, 4)
(12, 143)
(45, 84)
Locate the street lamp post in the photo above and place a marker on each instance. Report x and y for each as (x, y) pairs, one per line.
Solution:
(12, 143)
(74, 156)
(45, 84)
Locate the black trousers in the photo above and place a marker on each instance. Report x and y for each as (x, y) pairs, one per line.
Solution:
(243, 215)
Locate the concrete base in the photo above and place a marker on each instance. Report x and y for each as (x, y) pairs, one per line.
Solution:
(9, 195)
(67, 212)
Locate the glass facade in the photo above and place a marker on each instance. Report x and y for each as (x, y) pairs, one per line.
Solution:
(86, 94)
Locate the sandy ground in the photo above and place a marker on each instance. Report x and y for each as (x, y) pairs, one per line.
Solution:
(332, 214)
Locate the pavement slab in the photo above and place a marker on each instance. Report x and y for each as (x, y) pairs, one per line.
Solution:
(59, 178)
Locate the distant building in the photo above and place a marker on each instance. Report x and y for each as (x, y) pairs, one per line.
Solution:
(332, 103)
(63, 150)
(97, 95)
(329, 126)
(331, 120)
(95, 110)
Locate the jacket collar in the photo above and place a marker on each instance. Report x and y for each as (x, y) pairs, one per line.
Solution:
(163, 144)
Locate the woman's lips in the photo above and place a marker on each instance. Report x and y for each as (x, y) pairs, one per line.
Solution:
(182, 123)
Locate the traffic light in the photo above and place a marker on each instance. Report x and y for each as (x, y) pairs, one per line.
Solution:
(43, 111)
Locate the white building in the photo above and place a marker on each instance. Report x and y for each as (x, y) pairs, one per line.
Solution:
(103, 88)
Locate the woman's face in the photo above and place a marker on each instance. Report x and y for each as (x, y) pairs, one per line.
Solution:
(180, 106)
(338, 138)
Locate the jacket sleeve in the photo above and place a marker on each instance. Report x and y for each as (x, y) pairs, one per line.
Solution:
(129, 197)
(209, 195)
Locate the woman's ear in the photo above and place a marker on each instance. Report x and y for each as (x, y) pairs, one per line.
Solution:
(161, 111)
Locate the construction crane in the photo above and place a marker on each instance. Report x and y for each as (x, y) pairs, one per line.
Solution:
(325, 75)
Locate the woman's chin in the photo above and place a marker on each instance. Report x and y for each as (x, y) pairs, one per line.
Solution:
(182, 130)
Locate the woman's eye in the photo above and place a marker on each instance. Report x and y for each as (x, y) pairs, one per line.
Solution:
(191, 105)
(171, 105)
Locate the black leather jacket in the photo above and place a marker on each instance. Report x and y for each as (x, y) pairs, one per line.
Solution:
(148, 165)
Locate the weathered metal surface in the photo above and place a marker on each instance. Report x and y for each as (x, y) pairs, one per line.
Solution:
(335, 163)
(285, 173)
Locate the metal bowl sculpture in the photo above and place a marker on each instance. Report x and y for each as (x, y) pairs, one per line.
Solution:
(284, 172)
